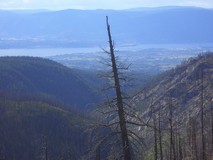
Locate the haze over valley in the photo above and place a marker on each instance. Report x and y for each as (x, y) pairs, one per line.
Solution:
(155, 37)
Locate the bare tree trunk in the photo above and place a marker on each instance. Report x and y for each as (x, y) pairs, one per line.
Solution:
(98, 156)
(212, 128)
(176, 145)
(46, 149)
(172, 145)
(122, 120)
(202, 119)
(155, 138)
(160, 135)
(46, 153)
(184, 143)
(171, 140)
(192, 138)
(194, 142)
(180, 148)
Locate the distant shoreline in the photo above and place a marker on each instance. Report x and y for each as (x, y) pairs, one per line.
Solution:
(47, 52)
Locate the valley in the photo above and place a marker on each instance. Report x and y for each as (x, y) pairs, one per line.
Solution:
(39, 99)
(66, 95)
(142, 58)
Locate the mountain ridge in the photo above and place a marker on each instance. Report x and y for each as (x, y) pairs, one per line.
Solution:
(69, 28)
(24, 76)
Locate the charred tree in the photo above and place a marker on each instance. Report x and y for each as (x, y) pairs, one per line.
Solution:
(160, 135)
(155, 138)
(98, 156)
(212, 127)
(119, 99)
(172, 155)
(155, 132)
(203, 152)
(193, 139)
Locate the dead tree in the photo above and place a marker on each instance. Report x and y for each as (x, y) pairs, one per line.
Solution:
(45, 148)
(180, 147)
(172, 154)
(116, 115)
(212, 126)
(155, 132)
(155, 138)
(192, 138)
(203, 152)
(119, 98)
(43, 153)
(160, 134)
(98, 156)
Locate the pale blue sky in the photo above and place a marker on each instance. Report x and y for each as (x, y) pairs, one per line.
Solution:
(99, 4)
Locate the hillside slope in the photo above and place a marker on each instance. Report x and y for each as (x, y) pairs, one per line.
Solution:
(33, 129)
(183, 85)
(174, 112)
(37, 77)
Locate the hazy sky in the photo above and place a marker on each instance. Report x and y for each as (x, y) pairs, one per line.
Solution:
(99, 4)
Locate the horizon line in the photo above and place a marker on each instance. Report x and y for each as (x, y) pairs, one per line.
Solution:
(154, 7)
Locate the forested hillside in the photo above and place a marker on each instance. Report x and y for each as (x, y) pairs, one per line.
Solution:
(170, 118)
(37, 102)
(37, 130)
(43, 78)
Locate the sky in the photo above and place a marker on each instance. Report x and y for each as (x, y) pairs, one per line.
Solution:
(99, 4)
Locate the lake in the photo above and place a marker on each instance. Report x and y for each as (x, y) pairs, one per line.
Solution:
(48, 52)
(45, 52)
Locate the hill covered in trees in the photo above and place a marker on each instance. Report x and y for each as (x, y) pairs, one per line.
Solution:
(37, 119)
(36, 130)
(171, 118)
(45, 79)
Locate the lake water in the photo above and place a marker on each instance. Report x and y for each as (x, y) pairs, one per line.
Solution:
(47, 52)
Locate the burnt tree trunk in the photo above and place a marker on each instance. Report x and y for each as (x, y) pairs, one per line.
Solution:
(172, 143)
(202, 119)
(212, 127)
(155, 138)
(160, 135)
(119, 98)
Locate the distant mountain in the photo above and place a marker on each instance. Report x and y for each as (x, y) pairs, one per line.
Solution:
(183, 86)
(44, 79)
(80, 28)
